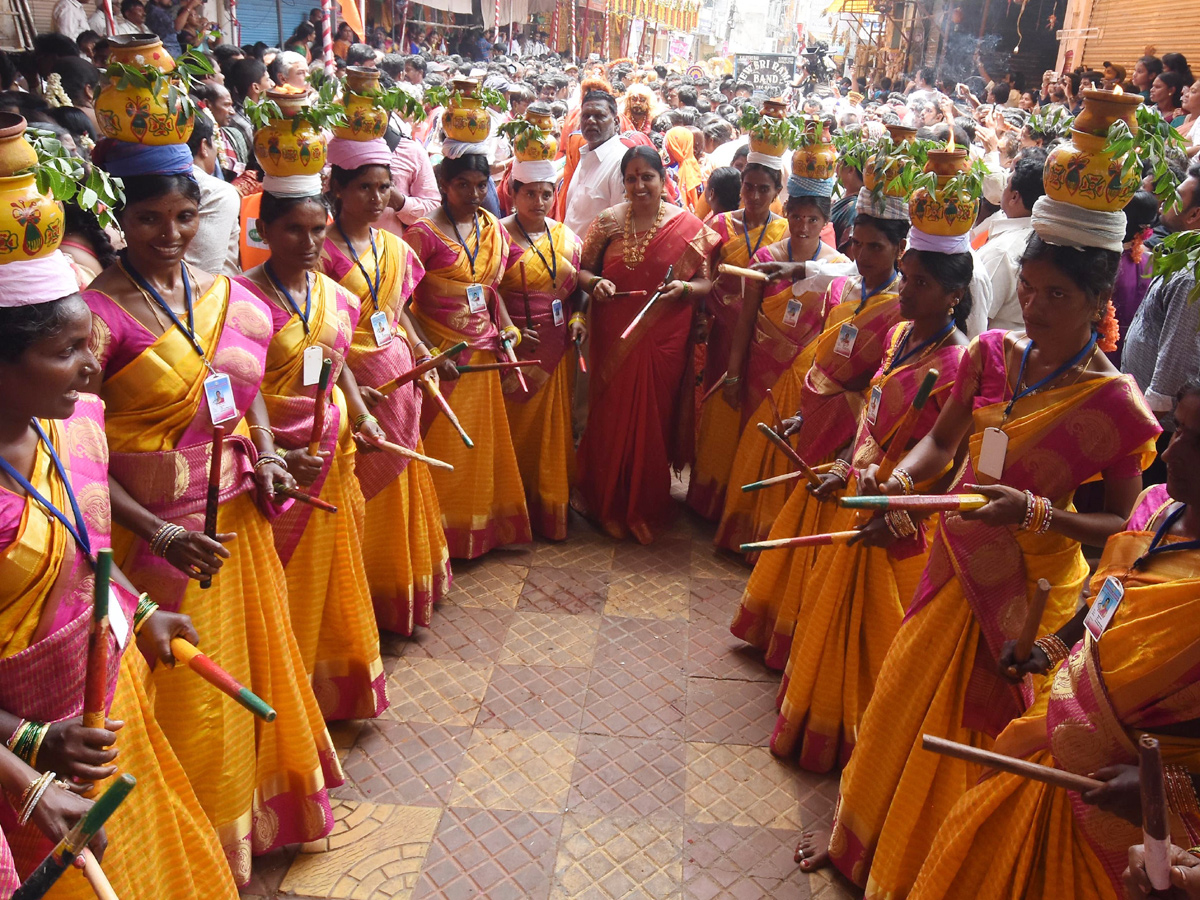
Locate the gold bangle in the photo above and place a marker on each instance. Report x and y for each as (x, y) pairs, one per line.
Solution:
(905, 478)
(841, 469)
(1054, 647)
(263, 428)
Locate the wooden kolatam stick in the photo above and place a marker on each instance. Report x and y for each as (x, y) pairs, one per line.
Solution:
(1033, 771)
(752, 274)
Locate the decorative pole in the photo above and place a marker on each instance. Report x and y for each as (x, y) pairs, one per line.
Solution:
(404, 27)
(605, 52)
(112, 25)
(326, 39)
(496, 32)
(573, 13)
(554, 27)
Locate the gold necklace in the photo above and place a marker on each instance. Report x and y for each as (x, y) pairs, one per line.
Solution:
(635, 249)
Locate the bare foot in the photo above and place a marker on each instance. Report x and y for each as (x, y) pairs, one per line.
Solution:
(813, 850)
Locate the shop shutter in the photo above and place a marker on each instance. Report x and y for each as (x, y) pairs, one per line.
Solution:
(260, 22)
(1127, 29)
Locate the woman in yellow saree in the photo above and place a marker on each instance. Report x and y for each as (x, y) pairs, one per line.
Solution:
(847, 354)
(404, 547)
(743, 233)
(540, 290)
(54, 517)
(773, 347)
(1041, 414)
(169, 341)
(856, 594)
(313, 320)
(1134, 674)
(483, 500)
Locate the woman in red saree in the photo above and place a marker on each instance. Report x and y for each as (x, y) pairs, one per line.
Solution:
(1132, 675)
(404, 547)
(1041, 413)
(54, 518)
(639, 415)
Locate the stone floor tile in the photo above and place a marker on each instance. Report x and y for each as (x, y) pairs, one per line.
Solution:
(740, 785)
(590, 551)
(344, 735)
(827, 884)
(618, 857)
(406, 762)
(701, 884)
(624, 776)
(461, 632)
(709, 562)
(551, 589)
(660, 644)
(715, 653)
(375, 851)
(736, 712)
(534, 698)
(648, 595)
(492, 854)
(437, 691)
(716, 598)
(510, 770)
(487, 584)
(268, 871)
(745, 849)
(633, 701)
(666, 556)
(543, 639)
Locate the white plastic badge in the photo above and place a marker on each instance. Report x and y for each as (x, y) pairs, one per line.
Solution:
(313, 357)
(557, 310)
(219, 392)
(791, 315)
(992, 451)
(381, 328)
(847, 335)
(116, 618)
(873, 404)
(1105, 606)
(476, 298)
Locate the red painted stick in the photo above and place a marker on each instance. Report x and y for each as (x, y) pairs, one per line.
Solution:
(318, 428)
(918, 502)
(420, 369)
(444, 406)
(283, 490)
(213, 499)
(186, 652)
(579, 355)
(808, 540)
(775, 411)
(95, 685)
(790, 452)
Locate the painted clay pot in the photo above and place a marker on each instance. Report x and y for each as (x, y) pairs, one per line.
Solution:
(543, 120)
(465, 118)
(818, 159)
(31, 224)
(135, 114)
(872, 179)
(532, 146)
(1102, 108)
(364, 120)
(284, 148)
(16, 153)
(771, 109)
(1085, 174)
(901, 134)
(944, 213)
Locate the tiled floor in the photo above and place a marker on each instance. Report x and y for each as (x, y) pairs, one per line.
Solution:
(578, 723)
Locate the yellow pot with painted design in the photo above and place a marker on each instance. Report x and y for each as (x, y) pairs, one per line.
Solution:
(31, 224)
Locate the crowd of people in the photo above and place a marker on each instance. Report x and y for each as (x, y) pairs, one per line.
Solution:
(287, 400)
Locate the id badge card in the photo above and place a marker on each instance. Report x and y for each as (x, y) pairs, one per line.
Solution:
(791, 315)
(847, 335)
(116, 619)
(1105, 607)
(557, 310)
(992, 450)
(219, 392)
(381, 328)
(873, 404)
(476, 299)
(313, 357)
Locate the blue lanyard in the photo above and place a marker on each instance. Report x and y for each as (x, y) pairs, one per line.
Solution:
(79, 530)
(1067, 366)
(287, 295)
(1160, 534)
(467, 250)
(867, 295)
(552, 266)
(190, 329)
(373, 288)
(901, 356)
(762, 234)
(816, 252)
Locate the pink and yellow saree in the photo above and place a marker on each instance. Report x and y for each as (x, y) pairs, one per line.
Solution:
(482, 500)
(160, 843)
(540, 418)
(332, 615)
(1043, 842)
(403, 545)
(639, 415)
(940, 675)
(261, 788)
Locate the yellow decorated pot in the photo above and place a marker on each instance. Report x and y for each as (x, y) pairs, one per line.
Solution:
(944, 213)
(532, 147)
(466, 120)
(872, 179)
(901, 134)
(1102, 108)
(135, 114)
(1083, 173)
(31, 224)
(16, 153)
(364, 120)
(283, 147)
(818, 159)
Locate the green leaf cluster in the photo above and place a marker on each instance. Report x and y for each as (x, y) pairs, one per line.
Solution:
(1154, 142)
(65, 177)
(174, 86)
(321, 110)
(440, 95)
(520, 132)
(1180, 252)
(396, 100)
(1050, 122)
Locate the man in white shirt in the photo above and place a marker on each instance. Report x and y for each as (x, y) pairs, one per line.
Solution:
(214, 249)
(69, 18)
(596, 183)
(121, 23)
(1000, 257)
